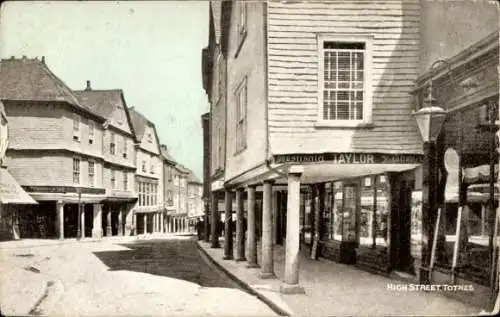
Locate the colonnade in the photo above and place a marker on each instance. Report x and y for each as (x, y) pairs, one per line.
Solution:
(180, 224)
(290, 284)
(124, 225)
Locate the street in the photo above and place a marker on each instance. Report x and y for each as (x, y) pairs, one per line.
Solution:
(159, 277)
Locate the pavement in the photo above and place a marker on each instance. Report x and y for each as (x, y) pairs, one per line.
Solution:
(334, 289)
(128, 276)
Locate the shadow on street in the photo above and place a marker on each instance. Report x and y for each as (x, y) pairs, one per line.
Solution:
(174, 258)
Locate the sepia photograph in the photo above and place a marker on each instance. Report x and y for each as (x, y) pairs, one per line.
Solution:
(250, 158)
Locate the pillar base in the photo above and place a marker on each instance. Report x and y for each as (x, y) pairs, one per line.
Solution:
(97, 233)
(267, 275)
(109, 233)
(227, 257)
(240, 259)
(215, 246)
(291, 289)
(252, 266)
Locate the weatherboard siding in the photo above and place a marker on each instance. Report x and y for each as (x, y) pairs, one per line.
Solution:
(293, 62)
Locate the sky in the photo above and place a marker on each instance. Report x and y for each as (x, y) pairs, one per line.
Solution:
(150, 49)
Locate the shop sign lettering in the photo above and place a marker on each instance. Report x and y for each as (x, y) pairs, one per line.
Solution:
(349, 158)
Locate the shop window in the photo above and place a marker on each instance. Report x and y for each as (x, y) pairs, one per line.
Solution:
(366, 217)
(349, 213)
(307, 229)
(382, 211)
(338, 198)
(328, 213)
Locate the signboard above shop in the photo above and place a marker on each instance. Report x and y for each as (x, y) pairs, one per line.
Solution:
(349, 158)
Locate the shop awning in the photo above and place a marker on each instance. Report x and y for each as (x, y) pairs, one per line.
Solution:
(11, 192)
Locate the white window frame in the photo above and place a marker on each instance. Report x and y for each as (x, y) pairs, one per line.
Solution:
(241, 121)
(91, 131)
(91, 173)
(143, 165)
(112, 143)
(76, 127)
(77, 170)
(367, 73)
(125, 180)
(125, 147)
(113, 178)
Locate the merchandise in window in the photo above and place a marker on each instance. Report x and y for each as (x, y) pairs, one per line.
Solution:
(338, 198)
(349, 213)
(366, 233)
(382, 211)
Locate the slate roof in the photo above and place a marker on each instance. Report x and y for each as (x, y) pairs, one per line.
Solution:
(193, 179)
(166, 155)
(139, 122)
(31, 80)
(103, 102)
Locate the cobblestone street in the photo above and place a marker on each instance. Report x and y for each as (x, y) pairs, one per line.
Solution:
(159, 277)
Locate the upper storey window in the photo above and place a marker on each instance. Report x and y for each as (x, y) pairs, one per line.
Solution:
(345, 96)
(76, 127)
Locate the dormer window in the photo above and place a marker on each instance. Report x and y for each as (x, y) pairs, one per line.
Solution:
(76, 127)
(150, 138)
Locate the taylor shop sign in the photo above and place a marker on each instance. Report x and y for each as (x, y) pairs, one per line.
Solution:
(349, 158)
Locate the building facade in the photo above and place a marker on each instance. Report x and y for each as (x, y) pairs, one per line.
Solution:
(149, 209)
(169, 187)
(194, 200)
(117, 141)
(54, 140)
(321, 124)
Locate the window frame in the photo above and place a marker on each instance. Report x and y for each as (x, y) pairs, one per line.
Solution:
(77, 129)
(241, 121)
(367, 39)
(112, 178)
(125, 180)
(91, 131)
(112, 143)
(91, 175)
(77, 172)
(125, 148)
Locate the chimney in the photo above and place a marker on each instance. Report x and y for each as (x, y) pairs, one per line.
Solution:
(88, 88)
(43, 59)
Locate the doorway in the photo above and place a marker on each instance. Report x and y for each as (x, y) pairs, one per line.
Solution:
(401, 259)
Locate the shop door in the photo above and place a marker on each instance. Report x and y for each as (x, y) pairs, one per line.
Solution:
(401, 230)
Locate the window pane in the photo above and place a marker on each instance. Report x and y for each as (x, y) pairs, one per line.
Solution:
(382, 211)
(337, 211)
(366, 215)
(349, 213)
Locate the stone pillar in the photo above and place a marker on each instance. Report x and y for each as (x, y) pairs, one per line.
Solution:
(228, 230)
(170, 224)
(291, 281)
(60, 219)
(162, 224)
(155, 222)
(97, 221)
(240, 226)
(275, 217)
(145, 222)
(214, 220)
(206, 221)
(252, 241)
(129, 217)
(120, 221)
(267, 265)
(82, 221)
(109, 233)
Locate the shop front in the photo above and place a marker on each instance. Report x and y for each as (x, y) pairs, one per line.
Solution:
(464, 228)
(355, 208)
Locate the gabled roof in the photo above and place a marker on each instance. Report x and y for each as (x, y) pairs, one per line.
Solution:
(166, 155)
(140, 122)
(193, 179)
(31, 80)
(182, 169)
(105, 103)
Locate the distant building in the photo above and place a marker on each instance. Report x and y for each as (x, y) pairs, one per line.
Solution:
(118, 151)
(169, 187)
(149, 208)
(194, 198)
